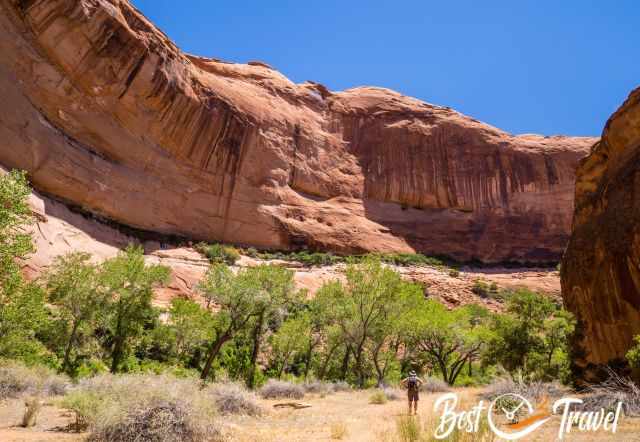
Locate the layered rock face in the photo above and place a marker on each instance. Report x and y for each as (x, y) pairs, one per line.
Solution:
(107, 114)
(601, 267)
(59, 231)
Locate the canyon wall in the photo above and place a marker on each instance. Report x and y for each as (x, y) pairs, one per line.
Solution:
(601, 267)
(108, 115)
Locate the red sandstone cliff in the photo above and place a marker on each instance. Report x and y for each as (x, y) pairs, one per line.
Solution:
(106, 113)
(601, 267)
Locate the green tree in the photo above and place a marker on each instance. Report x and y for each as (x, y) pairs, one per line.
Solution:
(530, 334)
(275, 293)
(290, 339)
(246, 298)
(129, 282)
(72, 283)
(363, 309)
(190, 325)
(451, 338)
(15, 218)
(22, 309)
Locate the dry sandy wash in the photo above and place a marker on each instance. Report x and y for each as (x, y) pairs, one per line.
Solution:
(362, 421)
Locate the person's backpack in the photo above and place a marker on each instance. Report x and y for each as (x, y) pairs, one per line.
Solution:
(412, 383)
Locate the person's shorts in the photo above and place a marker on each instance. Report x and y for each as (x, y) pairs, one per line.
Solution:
(414, 395)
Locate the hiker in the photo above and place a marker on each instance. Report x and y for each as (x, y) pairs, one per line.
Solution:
(413, 383)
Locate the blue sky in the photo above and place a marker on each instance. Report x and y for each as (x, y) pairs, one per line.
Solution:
(549, 67)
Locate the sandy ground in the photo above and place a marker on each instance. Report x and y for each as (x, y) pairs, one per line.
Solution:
(361, 421)
(377, 423)
(51, 425)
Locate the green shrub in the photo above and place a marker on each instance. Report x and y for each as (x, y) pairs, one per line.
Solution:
(219, 253)
(411, 259)
(481, 288)
(633, 355)
(252, 252)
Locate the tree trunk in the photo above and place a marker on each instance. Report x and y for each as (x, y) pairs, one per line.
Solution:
(213, 352)
(117, 354)
(325, 363)
(359, 367)
(380, 372)
(282, 367)
(345, 363)
(307, 360)
(67, 351)
(257, 340)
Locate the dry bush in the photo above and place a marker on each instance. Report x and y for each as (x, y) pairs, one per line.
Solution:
(234, 399)
(608, 393)
(275, 389)
(341, 386)
(318, 387)
(160, 422)
(17, 380)
(534, 390)
(32, 408)
(378, 398)
(435, 385)
(324, 387)
(144, 407)
(392, 394)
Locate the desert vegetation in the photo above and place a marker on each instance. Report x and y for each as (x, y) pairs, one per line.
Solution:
(88, 332)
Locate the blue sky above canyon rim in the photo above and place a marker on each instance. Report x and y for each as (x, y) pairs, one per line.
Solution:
(549, 67)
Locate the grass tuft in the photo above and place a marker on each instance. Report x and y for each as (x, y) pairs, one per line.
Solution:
(339, 431)
(378, 398)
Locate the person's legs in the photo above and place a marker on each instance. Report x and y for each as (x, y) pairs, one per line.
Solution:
(415, 405)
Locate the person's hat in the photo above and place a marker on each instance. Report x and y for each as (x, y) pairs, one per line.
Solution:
(412, 373)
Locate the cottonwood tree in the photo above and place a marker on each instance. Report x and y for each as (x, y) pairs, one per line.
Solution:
(128, 283)
(190, 326)
(364, 307)
(245, 301)
(22, 310)
(275, 293)
(451, 338)
(384, 343)
(73, 287)
(290, 339)
(530, 334)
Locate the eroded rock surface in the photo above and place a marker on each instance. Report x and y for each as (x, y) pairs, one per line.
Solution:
(59, 231)
(601, 268)
(107, 114)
